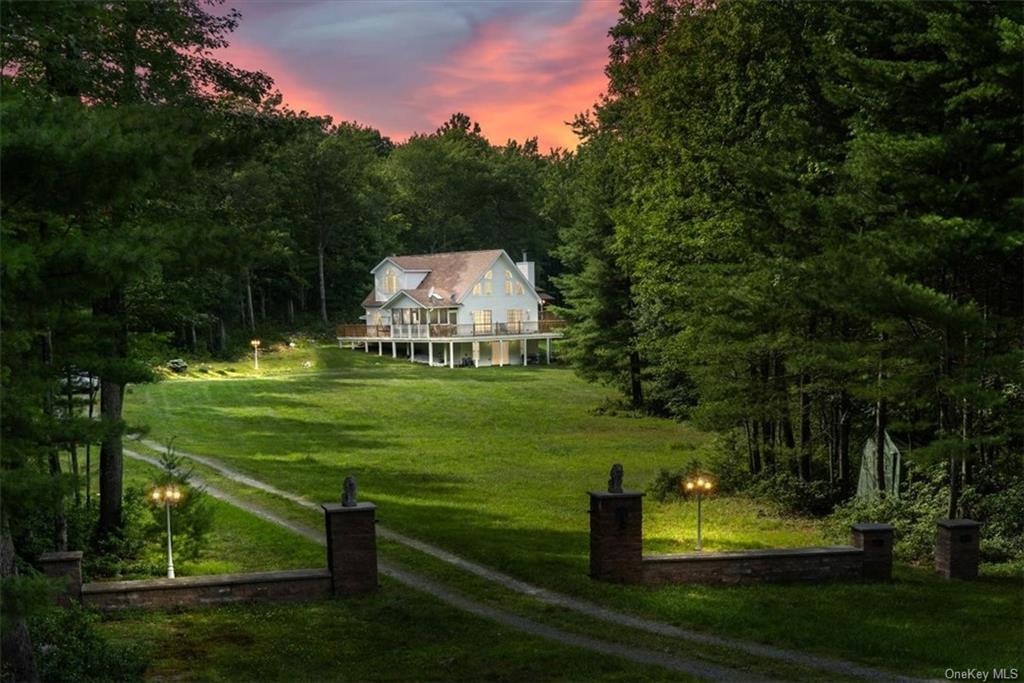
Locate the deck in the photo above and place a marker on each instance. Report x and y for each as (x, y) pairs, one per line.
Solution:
(445, 332)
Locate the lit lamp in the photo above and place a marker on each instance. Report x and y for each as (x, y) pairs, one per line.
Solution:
(699, 486)
(168, 495)
(255, 354)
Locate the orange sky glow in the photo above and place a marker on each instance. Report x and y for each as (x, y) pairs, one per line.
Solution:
(519, 69)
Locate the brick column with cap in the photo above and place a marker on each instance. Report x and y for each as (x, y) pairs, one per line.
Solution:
(351, 547)
(876, 542)
(616, 536)
(956, 548)
(67, 566)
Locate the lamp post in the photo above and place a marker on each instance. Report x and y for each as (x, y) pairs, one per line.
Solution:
(168, 495)
(700, 486)
(255, 354)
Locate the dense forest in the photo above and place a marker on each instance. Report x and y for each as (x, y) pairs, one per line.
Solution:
(798, 224)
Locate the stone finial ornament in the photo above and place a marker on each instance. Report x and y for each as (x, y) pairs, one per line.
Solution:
(615, 479)
(348, 493)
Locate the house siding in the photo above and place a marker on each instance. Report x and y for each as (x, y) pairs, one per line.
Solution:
(498, 302)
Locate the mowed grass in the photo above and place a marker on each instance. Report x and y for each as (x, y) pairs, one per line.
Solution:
(396, 635)
(238, 541)
(494, 464)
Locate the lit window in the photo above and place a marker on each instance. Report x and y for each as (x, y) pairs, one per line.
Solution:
(515, 320)
(489, 283)
(390, 281)
(477, 288)
(482, 322)
(508, 282)
(519, 288)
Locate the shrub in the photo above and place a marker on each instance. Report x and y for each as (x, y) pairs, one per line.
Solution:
(791, 495)
(177, 365)
(996, 498)
(913, 515)
(665, 485)
(192, 518)
(120, 553)
(69, 648)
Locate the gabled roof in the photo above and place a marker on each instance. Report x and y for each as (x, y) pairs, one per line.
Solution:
(422, 297)
(449, 273)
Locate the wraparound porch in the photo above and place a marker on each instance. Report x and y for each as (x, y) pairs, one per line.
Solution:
(477, 352)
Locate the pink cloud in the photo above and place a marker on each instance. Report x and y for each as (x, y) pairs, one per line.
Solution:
(519, 81)
(519, 70)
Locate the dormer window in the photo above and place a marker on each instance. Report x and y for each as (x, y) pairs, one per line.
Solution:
(390, 281)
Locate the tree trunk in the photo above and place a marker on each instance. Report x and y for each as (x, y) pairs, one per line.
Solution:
(291, 310)
(88, 447)
(60, 521)
(195, 343)
(881, 417)
(805, 429)
(845, 471)
(111, 456)
(263, 305)
(15, 641)
(73, 447)
(223, 336)
(248, 297)
(323, 285)
(635, 388)
(111, 308)
(755, 448)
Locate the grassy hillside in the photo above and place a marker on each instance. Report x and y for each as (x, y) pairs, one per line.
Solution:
(494, 464)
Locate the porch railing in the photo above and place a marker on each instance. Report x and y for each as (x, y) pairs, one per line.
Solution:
(448, 331)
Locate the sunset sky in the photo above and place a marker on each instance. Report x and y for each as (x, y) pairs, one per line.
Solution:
(520, 68)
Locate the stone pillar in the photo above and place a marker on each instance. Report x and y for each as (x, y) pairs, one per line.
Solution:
(616, 536)
(876, 542)
(956, 548)
(66, 566)
(351, 547)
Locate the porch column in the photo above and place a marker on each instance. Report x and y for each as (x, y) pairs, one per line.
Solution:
(548, 340)
(524, 351)
(412, 351)
(366, 345)
(380, 348)
(430, 353)
(394, 349)
(501, 354)
(451, 354)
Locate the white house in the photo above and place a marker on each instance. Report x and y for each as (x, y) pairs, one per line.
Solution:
(456, 308)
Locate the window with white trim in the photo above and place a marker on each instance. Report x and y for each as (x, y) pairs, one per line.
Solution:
(390, 281)
(482, 322)
(515, 320)
(508, 283)
(489, 283)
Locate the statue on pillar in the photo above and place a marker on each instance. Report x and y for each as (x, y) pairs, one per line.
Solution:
(615, 479)
(348, 493)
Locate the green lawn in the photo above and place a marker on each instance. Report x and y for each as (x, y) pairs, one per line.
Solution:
(493, 464)
(396, 635)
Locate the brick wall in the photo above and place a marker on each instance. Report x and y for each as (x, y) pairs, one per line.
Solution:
(195, 591)
(616, 553)
(791, 564)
